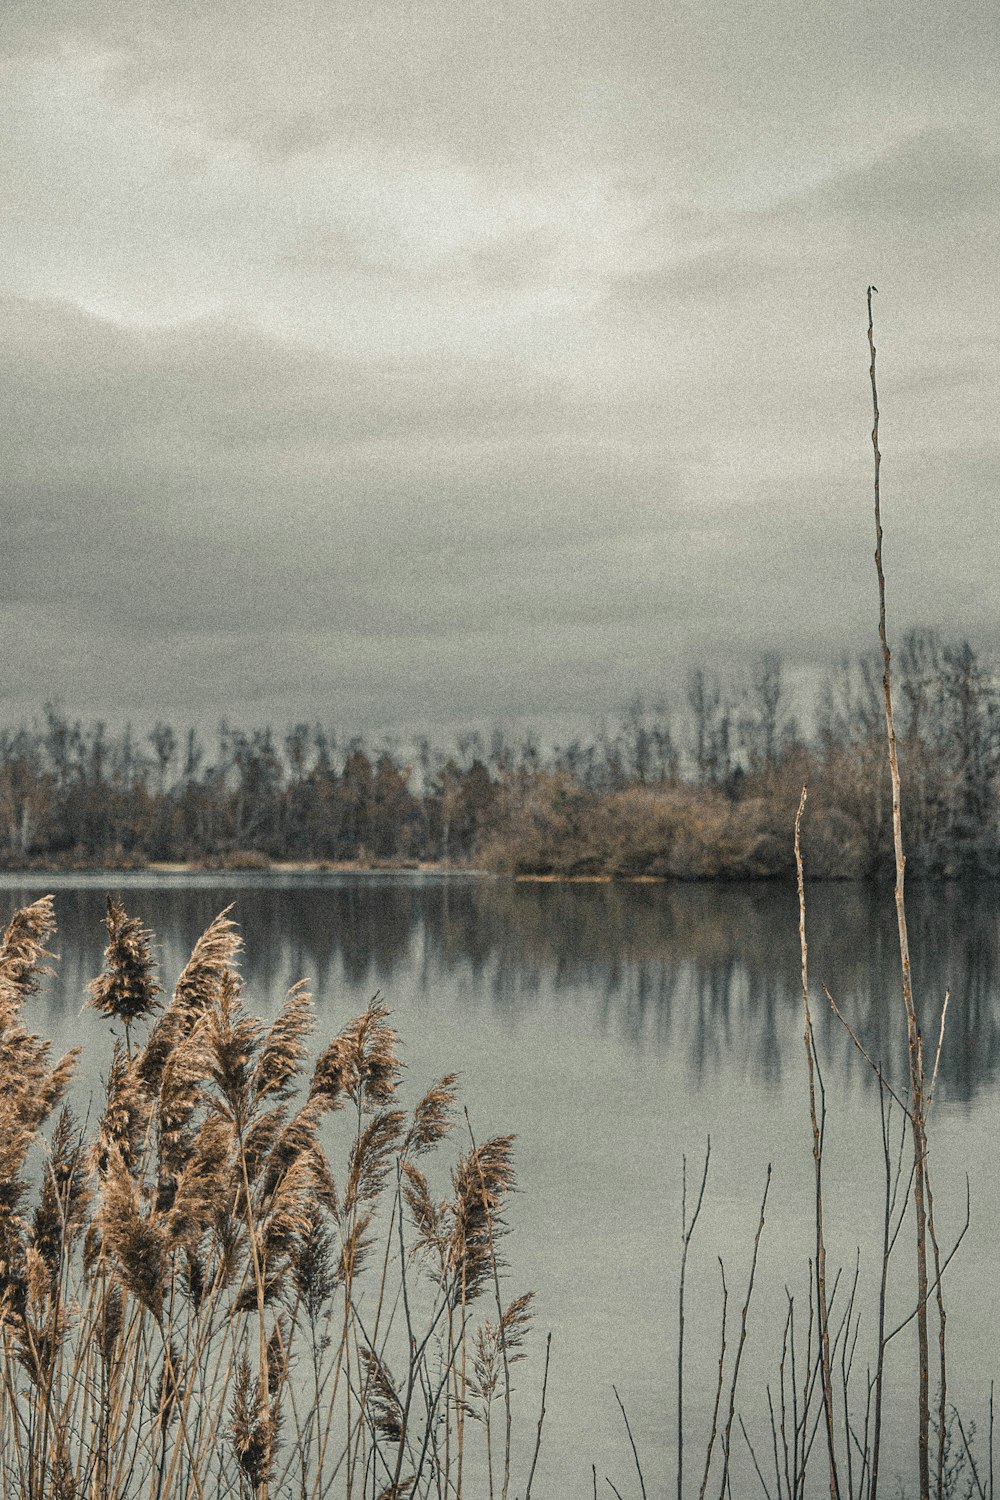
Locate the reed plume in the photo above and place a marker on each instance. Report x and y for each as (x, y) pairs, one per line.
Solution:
(188, 1267)
(361, 1064)
(433, 1117)
(482, 1181)
(22, 955)
(213, 958)
(126, 989)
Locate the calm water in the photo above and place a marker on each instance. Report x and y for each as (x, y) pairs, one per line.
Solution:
(614, 1029)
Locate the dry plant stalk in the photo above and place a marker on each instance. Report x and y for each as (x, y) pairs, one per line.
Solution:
(725, 1485)
(817, 1120)
(917, 1110)
(688, 1227)
(190, 1303)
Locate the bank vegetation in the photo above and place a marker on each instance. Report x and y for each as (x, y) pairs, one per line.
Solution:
(697, 790)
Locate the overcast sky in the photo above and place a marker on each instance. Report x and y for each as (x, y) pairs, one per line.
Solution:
(422, 364)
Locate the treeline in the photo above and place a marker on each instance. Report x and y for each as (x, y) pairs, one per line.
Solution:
(703, 788)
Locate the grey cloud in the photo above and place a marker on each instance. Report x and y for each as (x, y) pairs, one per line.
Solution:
(187, 397)
(375, 255)
(721, 273)
(423, 513)
(533, 365)
(525, 84)
(245, 442)
(270, 73)
(935, 184)
(932, 178)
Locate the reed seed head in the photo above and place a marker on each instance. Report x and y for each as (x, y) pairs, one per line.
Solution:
(126, 990)
(360, 1063)
(23, 954)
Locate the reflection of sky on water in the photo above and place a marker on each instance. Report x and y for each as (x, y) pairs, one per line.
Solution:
(614, 1027)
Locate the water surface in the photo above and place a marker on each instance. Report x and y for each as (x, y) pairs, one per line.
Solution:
(614, 1028)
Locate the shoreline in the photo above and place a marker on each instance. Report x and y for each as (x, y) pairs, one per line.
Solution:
(183, 868)
(263, 869)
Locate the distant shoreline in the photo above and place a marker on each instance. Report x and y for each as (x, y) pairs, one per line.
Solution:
(247, 867)
(180, 870)
(183, 868)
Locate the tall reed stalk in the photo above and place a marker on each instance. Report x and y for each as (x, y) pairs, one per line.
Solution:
(817, 1120)
(914, 1041)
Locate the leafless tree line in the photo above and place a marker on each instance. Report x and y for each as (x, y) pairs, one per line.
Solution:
(77, 794)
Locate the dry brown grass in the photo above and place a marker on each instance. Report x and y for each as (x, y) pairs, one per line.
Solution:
(192, 1300)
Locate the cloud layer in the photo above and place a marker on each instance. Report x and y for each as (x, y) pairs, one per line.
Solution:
(444, 363)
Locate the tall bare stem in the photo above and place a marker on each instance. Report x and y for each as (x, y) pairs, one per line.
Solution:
(822, 1304)
(917, 1109)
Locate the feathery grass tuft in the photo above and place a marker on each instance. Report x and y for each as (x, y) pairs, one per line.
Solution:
(189, 1269)
(126, 990)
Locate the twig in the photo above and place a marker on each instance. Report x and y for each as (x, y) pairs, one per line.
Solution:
(942, 1324)
(687, 1230)
(937, 1054)
(876, 1069)
(968, 1453)
(541, 1418)
(888, 1242)
(718, 1388)
(763, 1482)
(991, 1440)
(727, 1436)
(635, 1455)
(944, 1266)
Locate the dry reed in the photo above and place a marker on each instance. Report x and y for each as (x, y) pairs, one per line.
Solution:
(192, 1303)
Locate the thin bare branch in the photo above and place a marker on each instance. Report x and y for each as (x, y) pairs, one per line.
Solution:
(937, 1053)
(541, 1418)
(876, 1069)
(635, 1454)
(687, 1230)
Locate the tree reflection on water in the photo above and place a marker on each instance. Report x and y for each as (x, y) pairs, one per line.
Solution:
(711, 970)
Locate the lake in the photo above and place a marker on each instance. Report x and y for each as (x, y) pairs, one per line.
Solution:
(613, 1028)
